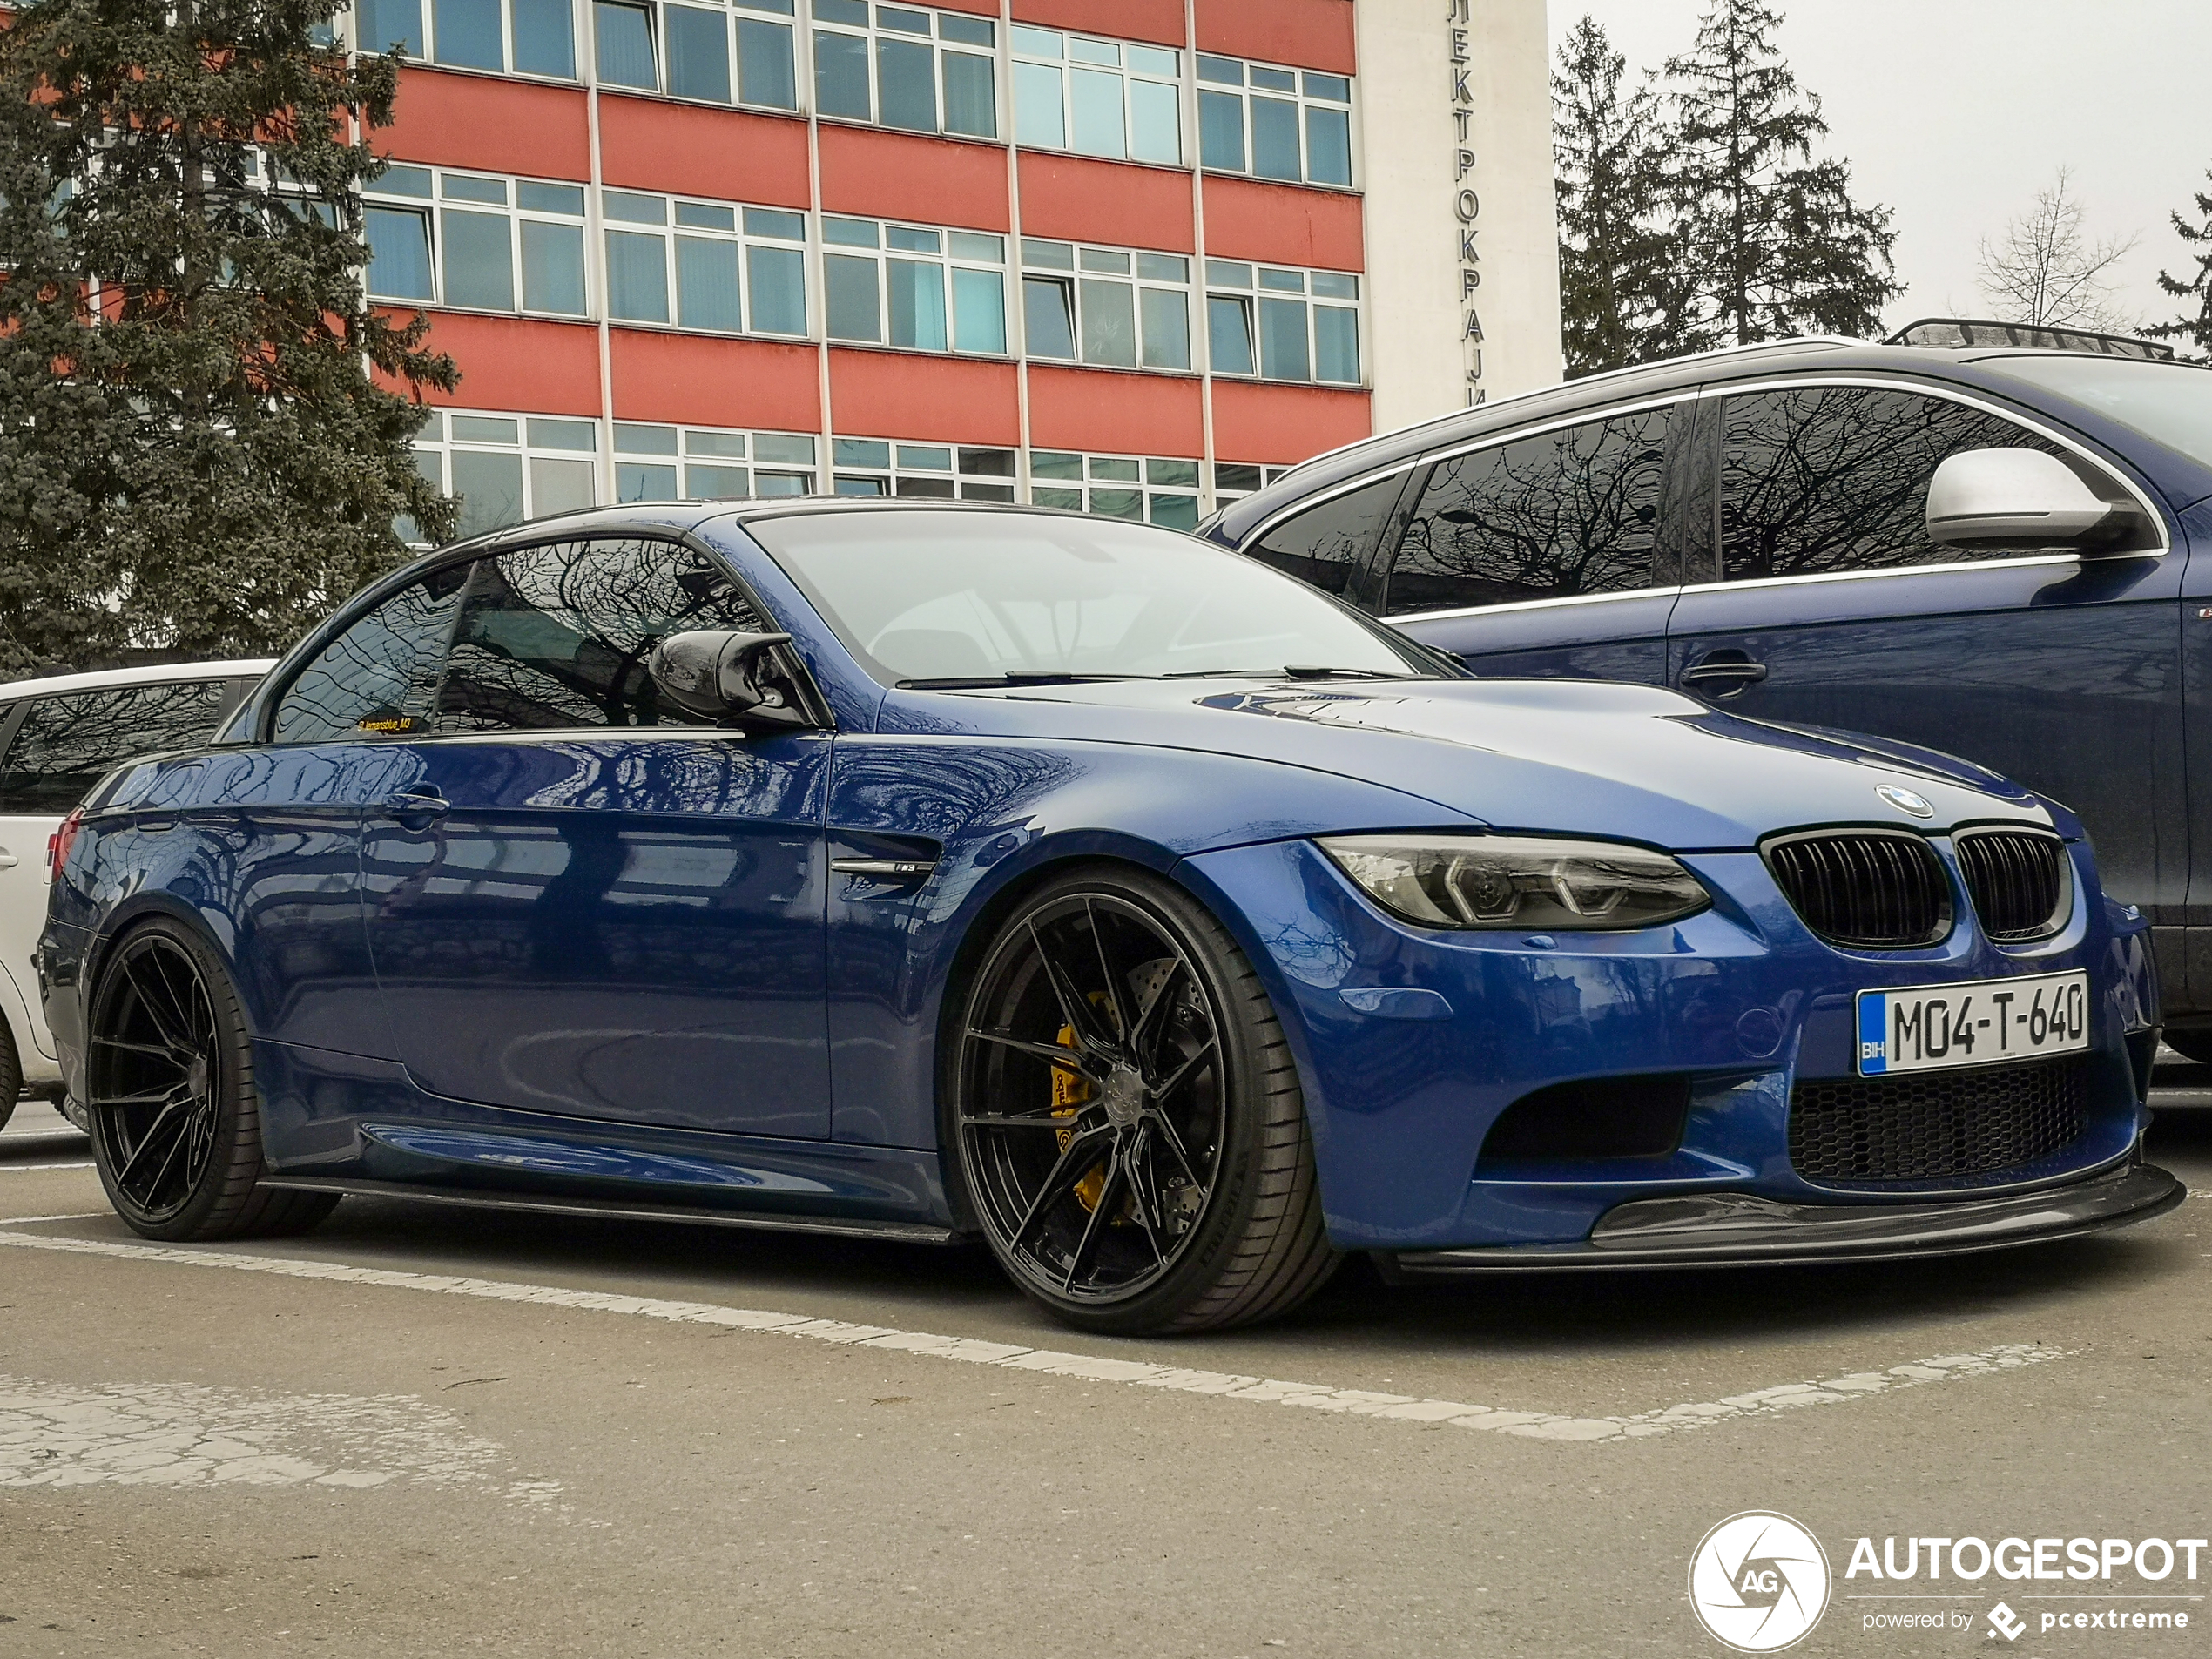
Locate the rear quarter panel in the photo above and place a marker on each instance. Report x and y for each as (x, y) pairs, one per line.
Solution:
(257, 852)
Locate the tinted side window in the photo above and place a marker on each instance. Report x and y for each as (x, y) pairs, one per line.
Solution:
(554, 637)
(67, 743)
(1326, 544)
(379, 678)
(1554, 517)
(1823, 479)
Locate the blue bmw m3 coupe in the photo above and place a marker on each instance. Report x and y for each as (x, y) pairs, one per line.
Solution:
(945, 871)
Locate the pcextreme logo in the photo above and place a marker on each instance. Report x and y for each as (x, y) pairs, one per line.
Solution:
(1759, 1582)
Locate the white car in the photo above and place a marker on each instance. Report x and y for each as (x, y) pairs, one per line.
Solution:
(58, 736)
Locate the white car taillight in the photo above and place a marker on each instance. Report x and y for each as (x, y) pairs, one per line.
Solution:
(60, 842)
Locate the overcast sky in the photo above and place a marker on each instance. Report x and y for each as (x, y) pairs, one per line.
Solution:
(1954, 112)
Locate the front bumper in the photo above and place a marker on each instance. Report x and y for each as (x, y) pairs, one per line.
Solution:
(1411, 1044)
(1740, 1229)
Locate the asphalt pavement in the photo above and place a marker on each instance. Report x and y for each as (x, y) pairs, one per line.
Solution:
(419, 1432)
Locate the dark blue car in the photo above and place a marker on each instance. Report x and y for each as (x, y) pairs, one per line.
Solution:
(925, 873)
(1755, 528)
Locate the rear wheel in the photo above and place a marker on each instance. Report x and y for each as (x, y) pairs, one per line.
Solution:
(175, 1120)
(11, 1074)
(1125, 1120)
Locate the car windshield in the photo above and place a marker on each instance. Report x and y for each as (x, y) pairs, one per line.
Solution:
(2168, 403)
(985, 597)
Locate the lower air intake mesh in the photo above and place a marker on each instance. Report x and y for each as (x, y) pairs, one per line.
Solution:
(1926, 1125)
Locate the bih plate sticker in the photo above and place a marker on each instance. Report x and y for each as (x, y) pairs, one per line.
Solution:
(1935, 1027)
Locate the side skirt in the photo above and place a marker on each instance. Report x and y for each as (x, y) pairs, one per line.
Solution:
(905, 1233)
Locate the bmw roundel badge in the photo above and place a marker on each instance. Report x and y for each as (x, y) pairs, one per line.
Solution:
(1904, 800)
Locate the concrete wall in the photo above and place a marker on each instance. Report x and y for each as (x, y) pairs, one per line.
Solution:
(1419, 156)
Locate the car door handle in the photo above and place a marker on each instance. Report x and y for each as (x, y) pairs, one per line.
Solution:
(8, 861)
(1744, 672)
(417, 807)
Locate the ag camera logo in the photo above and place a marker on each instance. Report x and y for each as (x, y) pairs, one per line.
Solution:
(1759, 1582)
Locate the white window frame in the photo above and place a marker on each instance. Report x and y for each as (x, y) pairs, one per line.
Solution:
(547, 449)
(873, 33)
(744, 234)
(1152, 480)
(426, 22)
(898, 464)
(1223, 493)
(1245, 88)
(687, 451)
(1065, 56)
(436, 206)
(974, 257)
(1317, 290)
(1093, 263)
(762, 13)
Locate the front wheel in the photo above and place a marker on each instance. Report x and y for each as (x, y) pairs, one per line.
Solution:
(176, 1123)
(1124, 1118)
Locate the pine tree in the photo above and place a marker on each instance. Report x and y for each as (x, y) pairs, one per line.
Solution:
(200, 448)
(1774, 243)
(2195, 329)
(1621, 291)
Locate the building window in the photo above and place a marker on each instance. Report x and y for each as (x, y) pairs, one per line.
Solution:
(1283, 325)
(707, 463)
(906, 284)
(706, 266)
(518, 37)
(1097, 97)
(1234, 480)
(1155, 490)
(483, 244)
(1285, 123)
(931, 471)
(923, 71)
(688, 51)
(508, 468)
(1109, 307)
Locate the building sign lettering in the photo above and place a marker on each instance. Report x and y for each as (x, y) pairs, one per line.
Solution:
(1467, 204)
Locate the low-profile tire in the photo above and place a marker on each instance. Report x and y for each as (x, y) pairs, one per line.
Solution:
(2191, 1045)
(175, 1121)
(11, 1074)
(1122, 1116)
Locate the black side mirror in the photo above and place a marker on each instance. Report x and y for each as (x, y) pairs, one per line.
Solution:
(724, 675)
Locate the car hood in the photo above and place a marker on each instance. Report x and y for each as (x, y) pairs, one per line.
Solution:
(1581, 757)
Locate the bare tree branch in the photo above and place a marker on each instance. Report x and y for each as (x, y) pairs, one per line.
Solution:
(2044, 270)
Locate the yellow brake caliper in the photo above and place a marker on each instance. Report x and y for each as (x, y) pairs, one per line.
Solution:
(1070, 1094)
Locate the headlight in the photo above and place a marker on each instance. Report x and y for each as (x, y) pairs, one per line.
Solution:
(1517, 881)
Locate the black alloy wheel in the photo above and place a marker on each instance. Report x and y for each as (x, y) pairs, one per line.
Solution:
(1126, 1125)
(11, 1074)
(176, 1124)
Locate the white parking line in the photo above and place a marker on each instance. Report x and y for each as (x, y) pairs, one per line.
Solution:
(1360, 1402)
(18, 1169)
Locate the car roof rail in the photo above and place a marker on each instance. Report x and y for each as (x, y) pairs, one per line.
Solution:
(1952, 333)
(1786, 343)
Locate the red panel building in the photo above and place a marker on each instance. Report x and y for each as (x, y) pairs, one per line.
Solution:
(1106, 254)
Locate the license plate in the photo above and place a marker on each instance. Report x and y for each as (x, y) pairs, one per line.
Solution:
(1934, 1028)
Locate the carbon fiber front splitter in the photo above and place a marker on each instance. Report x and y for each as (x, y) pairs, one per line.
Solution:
(1737, 1229)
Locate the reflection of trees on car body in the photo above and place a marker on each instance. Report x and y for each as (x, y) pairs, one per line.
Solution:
(1562, 513)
